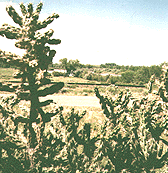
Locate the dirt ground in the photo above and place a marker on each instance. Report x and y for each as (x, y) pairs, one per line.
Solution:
(62, 100)
(91, 101)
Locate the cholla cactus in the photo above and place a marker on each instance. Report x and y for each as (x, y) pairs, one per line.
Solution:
(33, 64)
(133, 138)
(163, 89)
(37, 54)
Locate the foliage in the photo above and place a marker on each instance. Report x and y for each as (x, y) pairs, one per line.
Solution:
(40, 138)
(119, 74)
(142, 75)
(129, 74)
(32, 70)
(56, 73)
(70, 65)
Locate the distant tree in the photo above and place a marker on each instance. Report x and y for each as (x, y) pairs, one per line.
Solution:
(108, 65)
(134, 68)
(70, 65)
(56, 66)
(89, 66)
(113, 79)
(102, 66)
(128, 76)
(143, 75)
(155, 69)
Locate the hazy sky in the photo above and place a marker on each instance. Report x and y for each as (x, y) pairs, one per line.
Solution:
(126, 32)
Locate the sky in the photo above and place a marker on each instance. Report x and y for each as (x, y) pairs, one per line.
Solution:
(125, 32)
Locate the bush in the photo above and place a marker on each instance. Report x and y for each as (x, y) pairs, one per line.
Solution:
(113, 79)
(56, 74)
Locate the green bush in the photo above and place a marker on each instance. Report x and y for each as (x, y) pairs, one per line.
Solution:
(113, 79)
(56, 74)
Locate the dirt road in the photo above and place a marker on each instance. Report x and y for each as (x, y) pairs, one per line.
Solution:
(61, 100)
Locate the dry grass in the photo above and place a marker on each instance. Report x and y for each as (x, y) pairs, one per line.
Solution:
(6, 74)
(71, 80)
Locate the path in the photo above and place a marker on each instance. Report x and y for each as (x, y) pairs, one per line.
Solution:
(61, 100)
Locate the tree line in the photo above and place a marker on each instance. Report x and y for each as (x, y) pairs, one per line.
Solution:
(126, 74)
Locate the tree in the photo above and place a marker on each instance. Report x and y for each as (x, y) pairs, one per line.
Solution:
(70, 65)
(128, 76)
(155, 70)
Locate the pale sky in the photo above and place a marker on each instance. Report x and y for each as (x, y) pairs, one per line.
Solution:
(125, 32)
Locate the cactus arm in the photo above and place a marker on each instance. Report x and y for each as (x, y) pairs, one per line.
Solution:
(45, 23)
(51, 90)
(23, 9)
(14, 15)
(39, 7)
(10, 32)
(30, 9)
(54, 41)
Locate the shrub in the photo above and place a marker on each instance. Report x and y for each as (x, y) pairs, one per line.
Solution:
(56, 74)
(88, 90)
(113, 79)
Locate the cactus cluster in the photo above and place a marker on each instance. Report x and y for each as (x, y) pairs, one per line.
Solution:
(133, 137)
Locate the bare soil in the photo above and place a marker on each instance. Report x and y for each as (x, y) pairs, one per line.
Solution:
(61, 100)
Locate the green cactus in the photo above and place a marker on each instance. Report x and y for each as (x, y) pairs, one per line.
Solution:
(32, 65)
(134, 131)
(132, 139)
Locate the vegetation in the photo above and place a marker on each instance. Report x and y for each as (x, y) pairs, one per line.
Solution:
(110, 72)
(32, 69)
(70, 65)
(6, 73)
(40, 137)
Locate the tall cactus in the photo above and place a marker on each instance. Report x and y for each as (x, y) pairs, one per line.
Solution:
(33, 64)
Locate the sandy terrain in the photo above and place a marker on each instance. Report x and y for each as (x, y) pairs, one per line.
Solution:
(61, 100)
